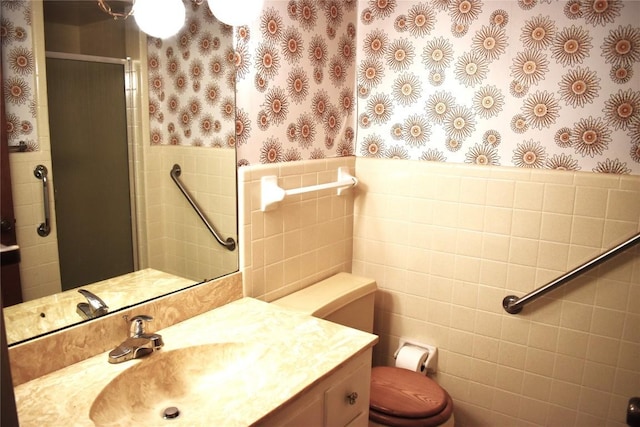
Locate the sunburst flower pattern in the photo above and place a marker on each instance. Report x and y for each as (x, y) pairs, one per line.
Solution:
(396, 131)
(562, 137)
(271, 25)
(529, 67)
(634, 152)
(421, 20)
(529, 154)
(375, 44)
(438, 106)
(370, 73)
(490, 42)
(397, 152)
(267, 61)
(492, 137)
(615, 167)
(332, 121)
(483, 155)
(538, 32)
(319, 104)
(407, 89)
(499, 18)
(518, 89)
(541, 109)
(471, 68)
(400, 54)
(488, 101)
(590, 136)
(382, 8)
(453, 144)
(436, 78)
(579, 87)
(621, 47)
(563, 162)
(621, 74)
(276, 105)
(459, 122)
(16, 90)
(292, 45)
(416, 130)
(600, 12)
(464, 11)
(307, 14)
(271, 151)
(432, 155)
(527, 4)
(298, 85)
(519, 124)
(243, 127)
(380, 108)
(437, 54)
(305, 131)
(572, 9)
(372, 146)
(622, 109)
(333, 13)
(20, 61)
(318, 51)
(571, 46)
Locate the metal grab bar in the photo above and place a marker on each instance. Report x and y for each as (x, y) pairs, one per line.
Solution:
(41, 172)
(175, 173)
(513, 305)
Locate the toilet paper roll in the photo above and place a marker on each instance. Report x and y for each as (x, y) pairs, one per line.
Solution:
(412, 358)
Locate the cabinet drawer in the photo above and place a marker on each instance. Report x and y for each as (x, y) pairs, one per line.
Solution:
(349, 397)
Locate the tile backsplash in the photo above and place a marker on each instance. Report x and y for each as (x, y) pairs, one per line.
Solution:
(447, 243)
(305, 239)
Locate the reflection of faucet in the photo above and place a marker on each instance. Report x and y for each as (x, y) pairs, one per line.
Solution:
(95, 307)
(138, 344)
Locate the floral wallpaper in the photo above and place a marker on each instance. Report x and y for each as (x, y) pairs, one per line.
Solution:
(296, 86)
(191, 83)
(18, 74)
(526, 83)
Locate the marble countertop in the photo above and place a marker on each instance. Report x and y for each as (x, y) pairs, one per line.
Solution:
(308, 350)
(46, 314)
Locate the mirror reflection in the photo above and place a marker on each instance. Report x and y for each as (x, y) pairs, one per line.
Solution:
(121, 110)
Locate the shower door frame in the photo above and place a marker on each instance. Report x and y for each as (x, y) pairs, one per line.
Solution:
(130, 139)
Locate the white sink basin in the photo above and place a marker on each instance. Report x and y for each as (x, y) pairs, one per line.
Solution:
(182, 382)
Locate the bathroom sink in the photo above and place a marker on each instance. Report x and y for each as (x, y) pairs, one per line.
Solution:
(180, 386)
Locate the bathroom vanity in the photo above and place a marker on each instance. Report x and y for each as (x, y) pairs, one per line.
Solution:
(245, 363)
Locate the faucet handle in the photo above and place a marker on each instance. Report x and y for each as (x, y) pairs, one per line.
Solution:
(138, 324)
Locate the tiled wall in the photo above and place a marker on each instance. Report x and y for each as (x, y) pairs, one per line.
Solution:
(177, 241)
(447, 243)
(305, 239)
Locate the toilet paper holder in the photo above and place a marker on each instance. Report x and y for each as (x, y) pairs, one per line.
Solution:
(430, 364)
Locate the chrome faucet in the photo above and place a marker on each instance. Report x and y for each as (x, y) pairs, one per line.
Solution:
(139, 343)
(94, 307)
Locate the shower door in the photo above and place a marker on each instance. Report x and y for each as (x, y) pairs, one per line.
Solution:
(89, 150)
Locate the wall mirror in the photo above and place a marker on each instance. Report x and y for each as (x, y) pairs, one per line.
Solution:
(152, 93)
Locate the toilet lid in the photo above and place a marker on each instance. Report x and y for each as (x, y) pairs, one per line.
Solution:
(404, 393)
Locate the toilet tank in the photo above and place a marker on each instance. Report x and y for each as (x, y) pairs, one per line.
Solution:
(343, 298)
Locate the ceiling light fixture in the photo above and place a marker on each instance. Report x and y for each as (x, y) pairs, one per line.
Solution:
(235, 13)
(159, 18)
(164, 18)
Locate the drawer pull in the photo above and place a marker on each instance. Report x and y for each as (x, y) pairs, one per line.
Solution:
(352, 397)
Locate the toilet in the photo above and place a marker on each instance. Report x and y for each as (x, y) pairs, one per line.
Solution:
(399, 397)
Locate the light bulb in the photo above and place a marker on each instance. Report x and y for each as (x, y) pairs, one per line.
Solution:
(159, 18)
(237, 12)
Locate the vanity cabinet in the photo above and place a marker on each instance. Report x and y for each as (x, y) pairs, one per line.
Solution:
(340, 399)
